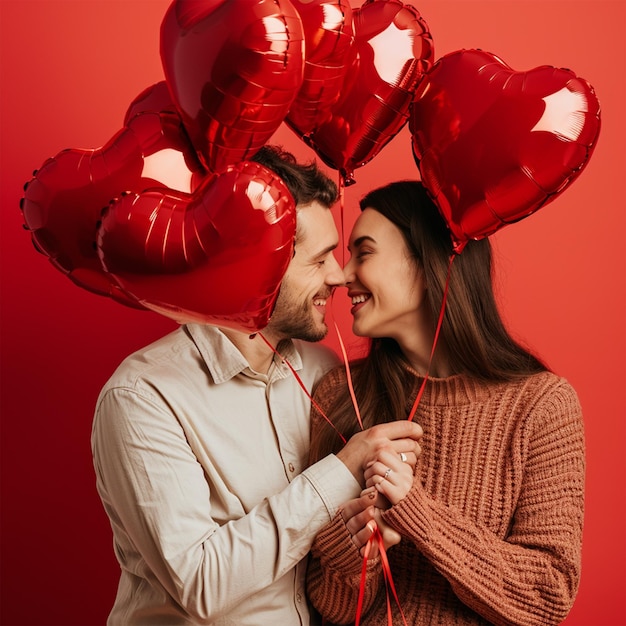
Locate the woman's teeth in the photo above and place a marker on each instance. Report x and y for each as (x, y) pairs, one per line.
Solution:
(360, 298)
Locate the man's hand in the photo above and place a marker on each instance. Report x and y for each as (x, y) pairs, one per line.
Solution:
(399, 438)
(361, 517)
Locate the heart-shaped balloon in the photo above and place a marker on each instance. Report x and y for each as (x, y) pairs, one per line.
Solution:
(233, 68)
(493, 145)
(329, 37)
(154, 98)
(215, 257)
(62, 203)
(392, 51)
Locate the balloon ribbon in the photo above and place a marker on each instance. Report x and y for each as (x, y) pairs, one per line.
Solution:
(306, 391)
(377, 537)
(432, 352)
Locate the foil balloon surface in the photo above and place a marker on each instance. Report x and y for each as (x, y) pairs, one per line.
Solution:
(233, 68)
(154, 98)
(63, 201)
(216, 256)
(392, 50)
(493, 145)
(329, 39)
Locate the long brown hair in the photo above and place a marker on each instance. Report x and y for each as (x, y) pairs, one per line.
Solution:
(476, 340)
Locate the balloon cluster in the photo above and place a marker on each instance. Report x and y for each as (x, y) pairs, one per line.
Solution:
(173, 216)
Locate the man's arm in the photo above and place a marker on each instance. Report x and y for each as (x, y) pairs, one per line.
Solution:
(158, 498)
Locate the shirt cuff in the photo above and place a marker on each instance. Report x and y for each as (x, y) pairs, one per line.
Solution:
(333, 481)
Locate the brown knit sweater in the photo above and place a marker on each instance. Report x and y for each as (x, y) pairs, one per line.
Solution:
(492, 527)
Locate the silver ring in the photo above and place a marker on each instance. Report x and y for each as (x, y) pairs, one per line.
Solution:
(403, 457)
(387, 473)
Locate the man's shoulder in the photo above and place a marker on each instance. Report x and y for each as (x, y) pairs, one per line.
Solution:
(161, 353)
(316, 354)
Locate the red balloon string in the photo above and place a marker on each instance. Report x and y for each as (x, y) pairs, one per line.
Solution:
(388, 579)
(348, 376)
(306, 391)
(389, 586)
(432, 352)
(342, 188)
(377, 535)
(359, 604)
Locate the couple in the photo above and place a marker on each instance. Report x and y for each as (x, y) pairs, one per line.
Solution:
(218, 485)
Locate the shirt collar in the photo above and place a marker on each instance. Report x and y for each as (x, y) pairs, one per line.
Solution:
(224, 361)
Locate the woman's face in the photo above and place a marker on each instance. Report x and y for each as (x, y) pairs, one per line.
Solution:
(384, 282)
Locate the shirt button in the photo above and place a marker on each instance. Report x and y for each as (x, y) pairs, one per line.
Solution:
(291, 467)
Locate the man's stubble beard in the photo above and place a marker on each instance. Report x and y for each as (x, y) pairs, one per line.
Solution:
(294, 320)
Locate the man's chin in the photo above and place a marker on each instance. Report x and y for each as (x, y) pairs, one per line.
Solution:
(314, 337)
(314, 333)
(306, 328)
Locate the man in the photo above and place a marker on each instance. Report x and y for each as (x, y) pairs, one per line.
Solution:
(200, 442)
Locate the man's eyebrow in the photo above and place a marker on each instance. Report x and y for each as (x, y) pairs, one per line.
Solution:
(359, 240)
(325, 251)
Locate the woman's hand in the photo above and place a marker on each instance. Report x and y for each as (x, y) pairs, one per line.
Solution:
(400, 437)
(391, 474)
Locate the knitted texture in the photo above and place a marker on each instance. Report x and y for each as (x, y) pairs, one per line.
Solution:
(492, 527)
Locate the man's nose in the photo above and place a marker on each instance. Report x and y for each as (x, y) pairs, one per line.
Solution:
(335, 273)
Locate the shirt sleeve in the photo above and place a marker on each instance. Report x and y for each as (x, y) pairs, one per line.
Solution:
(531, 576)
(158, 499)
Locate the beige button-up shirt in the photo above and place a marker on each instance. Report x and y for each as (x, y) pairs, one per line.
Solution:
(200, 466)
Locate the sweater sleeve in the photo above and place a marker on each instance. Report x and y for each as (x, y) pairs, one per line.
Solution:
(531, 575)
(334, 574)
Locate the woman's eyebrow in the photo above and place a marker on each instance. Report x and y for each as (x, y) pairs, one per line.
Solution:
(359, 240)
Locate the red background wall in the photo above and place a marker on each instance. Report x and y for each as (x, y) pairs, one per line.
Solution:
(69, 71)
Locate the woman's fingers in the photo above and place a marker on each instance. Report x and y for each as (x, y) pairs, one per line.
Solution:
(391, 474)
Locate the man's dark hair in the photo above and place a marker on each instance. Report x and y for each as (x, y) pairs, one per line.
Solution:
(306, 182)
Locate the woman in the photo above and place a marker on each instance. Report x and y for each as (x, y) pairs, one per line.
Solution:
(487, 528)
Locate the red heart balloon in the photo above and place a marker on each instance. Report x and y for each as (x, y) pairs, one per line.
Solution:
(494, 145)
(233, 68)
(216, 257)
(62, 203)
(393, 49)
(154, 98)
(329, 37)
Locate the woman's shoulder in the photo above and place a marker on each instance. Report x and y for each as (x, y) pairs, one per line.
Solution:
(548, 383)
(549, 397)
(336, 379)
(333, 379)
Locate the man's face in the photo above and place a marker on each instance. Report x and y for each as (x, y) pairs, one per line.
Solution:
(310, 279)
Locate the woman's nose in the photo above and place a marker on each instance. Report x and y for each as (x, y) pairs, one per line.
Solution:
(348, 272)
